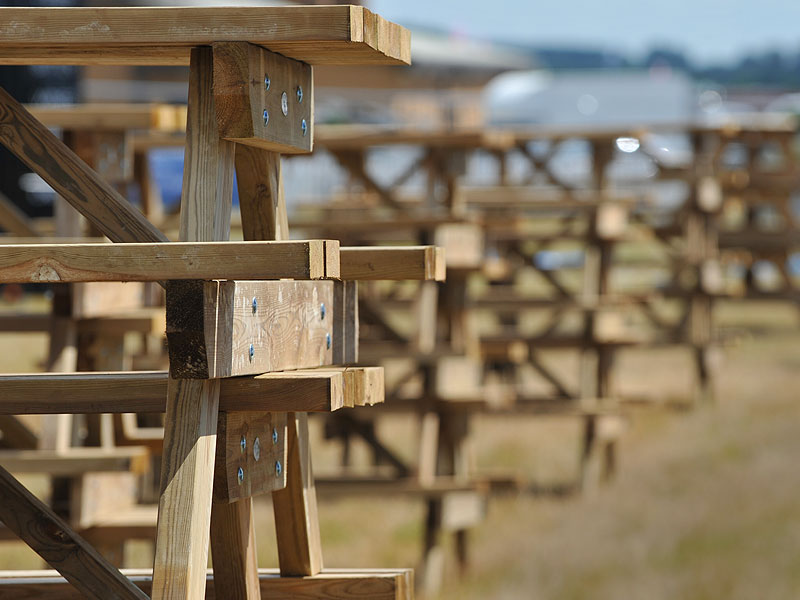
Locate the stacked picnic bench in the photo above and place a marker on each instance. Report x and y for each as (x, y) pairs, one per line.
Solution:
(254, 328)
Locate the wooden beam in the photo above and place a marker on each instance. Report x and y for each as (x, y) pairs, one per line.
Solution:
(164, 35)
(330, 584)
(263, 99)
(258, 177)
(63, 549)
(96, 116)
(309, 390)
(74, 461)
(13, 220)
(70, 177)
(214, 329)
(36, 263)
(392, 263)
(251, 455)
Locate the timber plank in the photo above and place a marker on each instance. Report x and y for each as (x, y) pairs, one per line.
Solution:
(330, 584)
(35, 263)
(426, 263)
(50, 537)
(165, 35)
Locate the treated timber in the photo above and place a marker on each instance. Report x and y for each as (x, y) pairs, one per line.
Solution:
(112, 116)
(276, 117)
(335, 35)
(330, 584)
(69, 176)
(215, 329)
(36, 263)
(313, 390)
(423, 263)
(50, 537)
(75, 461)
(13, 220)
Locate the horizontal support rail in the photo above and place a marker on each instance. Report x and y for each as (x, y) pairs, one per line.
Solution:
(393, 263)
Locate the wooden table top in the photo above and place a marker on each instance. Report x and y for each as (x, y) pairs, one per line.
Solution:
(333, 35)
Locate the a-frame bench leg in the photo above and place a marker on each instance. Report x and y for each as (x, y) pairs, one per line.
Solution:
(184, 512)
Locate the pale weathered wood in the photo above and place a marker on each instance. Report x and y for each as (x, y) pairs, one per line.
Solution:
(295, 507)
(95, 116)
(344, 315)
(251, 455)
(212, 327)
(330, 584)
(164, 35)
(50, 537)
(276, 117)
(233, 549)
(311, 390)
(74, 461)
(263, 208)
(392, 262)
(35, 263)
(13, 220)
(70, 177)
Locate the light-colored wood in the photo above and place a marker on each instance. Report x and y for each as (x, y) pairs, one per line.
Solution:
(190, 423)
(70, 177)
(330, 584)
(462, 244)
(425, 263)
(311, 390)
(295, 507)
(13, 220)
(233, 549)
(111, 117)
(278, 117)
(164, 36)
(36, 263)
(212, 327)
(50, 537)
(345, 322)
(253, 444)
(74, 461)
(263, 208)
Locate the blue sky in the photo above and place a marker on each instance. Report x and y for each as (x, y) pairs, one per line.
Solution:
(706, 30)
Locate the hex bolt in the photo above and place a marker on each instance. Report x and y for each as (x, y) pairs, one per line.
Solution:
(266, 81)
(328, 341)
(243, 444)
(322, 311)
(240, 475)
(255, 305)
(252, 352)
(266, 116)
(274, 435)
(284, 104)
(299, 94)
(257, 449)
(304, 127)
(278, 468)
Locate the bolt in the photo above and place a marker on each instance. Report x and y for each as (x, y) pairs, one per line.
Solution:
(266, 116)
(322, 311)
(284, 104)
(299, 94)
(328, 341)
(266, 81)
(304, 127)
(252, 352)
(257, 449)
(274, 435)
(240, 475)
(243, 444)
(278, 468)
(255, 305)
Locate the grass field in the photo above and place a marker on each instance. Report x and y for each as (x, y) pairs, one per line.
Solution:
(705, 506)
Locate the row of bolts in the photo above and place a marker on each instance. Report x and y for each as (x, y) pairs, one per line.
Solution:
(257, 443)
(285, 105)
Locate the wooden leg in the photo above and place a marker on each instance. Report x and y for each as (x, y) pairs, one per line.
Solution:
(187, 475)
(233, 528)
(296, 519)
(433, 553)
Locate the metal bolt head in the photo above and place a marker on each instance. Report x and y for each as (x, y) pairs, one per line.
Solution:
(278, 468)
(240, 475)
(304, 127)
(266, 116)
(299, 93)
(257, 449)
(284, 104)
(255, 305)
(322, 311)
(252, 352)
(328, 341)
(266, 81)
(243, 444)
(274, 435)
